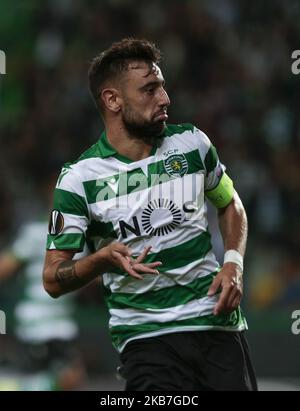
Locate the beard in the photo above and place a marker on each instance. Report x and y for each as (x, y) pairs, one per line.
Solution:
(149, 131)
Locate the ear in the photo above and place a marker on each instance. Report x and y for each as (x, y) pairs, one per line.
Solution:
(111, 99)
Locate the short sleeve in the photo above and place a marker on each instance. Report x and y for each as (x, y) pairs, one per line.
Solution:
(214, 169)
(69, 217)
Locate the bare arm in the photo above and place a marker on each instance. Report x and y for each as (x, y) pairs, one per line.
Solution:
(233, 226)
(234, 230)
(61, 274)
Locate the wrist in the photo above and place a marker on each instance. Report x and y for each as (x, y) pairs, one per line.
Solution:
(233, 256)
(101, 260)
(108, 260)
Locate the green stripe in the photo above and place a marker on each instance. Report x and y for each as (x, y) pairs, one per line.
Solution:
(211, 159)
(70, 203)
(136, 180)
(172, 129)
(179, 255)
(121, 333)
(194, 165)
(66, 241)
(100, 229)
(164, 298)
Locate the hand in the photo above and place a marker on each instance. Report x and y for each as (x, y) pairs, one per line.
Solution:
(119, 255)
(230, 279)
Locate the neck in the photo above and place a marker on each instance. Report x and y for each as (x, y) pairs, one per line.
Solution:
(127, 145)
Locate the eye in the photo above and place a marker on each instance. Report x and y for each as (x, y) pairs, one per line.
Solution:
(150, 90)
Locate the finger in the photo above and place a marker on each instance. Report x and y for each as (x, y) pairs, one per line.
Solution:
(136, 266)
(122, 249)
(144, 269)
(120, 256)
(127, 267)
(222, 303)
(152, 265)
(230, 308)
(233, 296)
(236, 303)
(141, 257)
(214, 286)
(125, 264)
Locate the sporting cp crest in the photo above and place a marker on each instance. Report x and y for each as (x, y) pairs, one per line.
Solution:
(176, 165)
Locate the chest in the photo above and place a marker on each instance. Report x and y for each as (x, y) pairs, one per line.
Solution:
(148, 199)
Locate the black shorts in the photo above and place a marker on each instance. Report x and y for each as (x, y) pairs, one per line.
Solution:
(189, 361)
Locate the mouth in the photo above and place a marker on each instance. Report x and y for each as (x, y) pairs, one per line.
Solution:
(161, 116)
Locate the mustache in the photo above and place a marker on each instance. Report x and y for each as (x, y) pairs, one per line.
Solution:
(159, 112)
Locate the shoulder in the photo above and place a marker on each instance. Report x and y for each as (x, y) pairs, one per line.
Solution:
(174, 129)
(188, 136)
(186, 129)
(73, 173)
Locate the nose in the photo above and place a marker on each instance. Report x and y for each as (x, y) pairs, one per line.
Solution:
(164, 100)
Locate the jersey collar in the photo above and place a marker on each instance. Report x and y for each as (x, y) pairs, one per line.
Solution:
(107, 150)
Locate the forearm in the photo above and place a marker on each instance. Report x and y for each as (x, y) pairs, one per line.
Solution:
(64, 275)
(234, 226)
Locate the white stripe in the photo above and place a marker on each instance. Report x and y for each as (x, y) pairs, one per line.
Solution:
(72, 181)
(195, 308)
(187, 141)
(74, 224)
(204, 143)
(53, 218)
(191, 224)
(98, 168)
(187, 231)
(181, 275)
(182, 189)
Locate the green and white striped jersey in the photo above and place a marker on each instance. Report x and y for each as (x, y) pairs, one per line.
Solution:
(159, 201)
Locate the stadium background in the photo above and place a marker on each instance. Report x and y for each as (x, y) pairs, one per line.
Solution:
(227, 64)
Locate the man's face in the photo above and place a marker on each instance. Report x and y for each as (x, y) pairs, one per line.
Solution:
(144, 101)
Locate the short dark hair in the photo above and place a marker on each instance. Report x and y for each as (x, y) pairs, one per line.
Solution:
(113, 61)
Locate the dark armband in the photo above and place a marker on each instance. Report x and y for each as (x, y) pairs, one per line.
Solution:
(223, 193)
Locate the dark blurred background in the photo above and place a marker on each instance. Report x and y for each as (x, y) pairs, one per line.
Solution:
(227, 65)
